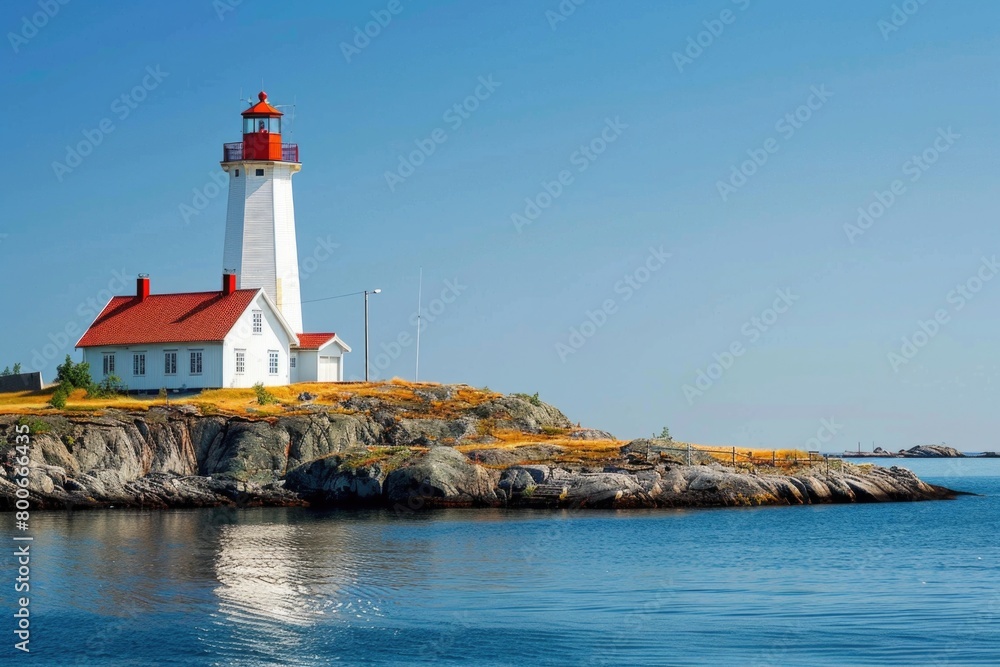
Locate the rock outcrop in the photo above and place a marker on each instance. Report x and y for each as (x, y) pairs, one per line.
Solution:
(932, 451)
(918, 452)
(433, 449)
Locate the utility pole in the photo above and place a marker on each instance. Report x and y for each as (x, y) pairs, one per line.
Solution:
(367, 292)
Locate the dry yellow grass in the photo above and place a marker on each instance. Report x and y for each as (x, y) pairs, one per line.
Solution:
(573, 451)
(32, 402)
(397, 392)
(239, 401)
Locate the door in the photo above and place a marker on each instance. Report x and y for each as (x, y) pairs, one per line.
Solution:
(293, 367)
(329, 369)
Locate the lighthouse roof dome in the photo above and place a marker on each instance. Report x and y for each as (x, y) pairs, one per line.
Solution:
(262, 108)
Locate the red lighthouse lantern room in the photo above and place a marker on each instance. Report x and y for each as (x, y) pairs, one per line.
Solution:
(262, 136)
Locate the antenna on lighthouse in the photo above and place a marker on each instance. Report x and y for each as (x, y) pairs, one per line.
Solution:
(420, 303)
(291, 123)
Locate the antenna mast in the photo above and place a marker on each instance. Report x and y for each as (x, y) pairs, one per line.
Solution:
(420, 303)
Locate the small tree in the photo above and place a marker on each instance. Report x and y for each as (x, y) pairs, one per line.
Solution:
(17, 368)
(6, 372)
(77, 375)
(58, 399)
(264, 397)
(664, 435)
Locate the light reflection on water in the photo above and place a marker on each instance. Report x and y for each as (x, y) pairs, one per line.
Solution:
(898, 584)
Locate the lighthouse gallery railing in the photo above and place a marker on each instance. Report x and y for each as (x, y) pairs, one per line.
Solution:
(234, 151)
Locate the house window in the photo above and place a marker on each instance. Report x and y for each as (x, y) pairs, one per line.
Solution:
(196, 362)
(260, 172)
(139, 364)
(258, 322)
(291, 362)
(237, 173)
(272, 362)
(170, 363)
(109, 363)
(241, 362)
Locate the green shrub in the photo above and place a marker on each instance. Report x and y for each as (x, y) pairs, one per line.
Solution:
(77, 375)
(531, 398)
(264, 397)
(110, 386)
(58, 400)
(34, 424)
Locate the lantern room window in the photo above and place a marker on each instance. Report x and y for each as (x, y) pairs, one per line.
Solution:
(261, 125)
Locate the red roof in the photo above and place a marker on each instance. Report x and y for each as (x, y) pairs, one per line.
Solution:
(262, 108)
(314, 341)
(168, 318)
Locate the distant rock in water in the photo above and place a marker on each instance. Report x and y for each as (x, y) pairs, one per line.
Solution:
(921, 451)
(407, 447)
(932, 451)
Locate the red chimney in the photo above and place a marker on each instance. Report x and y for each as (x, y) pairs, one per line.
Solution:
(228, 283)
(142, 286)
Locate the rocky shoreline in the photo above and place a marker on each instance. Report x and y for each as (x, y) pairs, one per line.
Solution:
(441, 447)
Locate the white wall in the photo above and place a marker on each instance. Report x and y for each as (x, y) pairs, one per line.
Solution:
(210, 378)
(256, 347)
(260, 233)
(286, 253)
(309, 365)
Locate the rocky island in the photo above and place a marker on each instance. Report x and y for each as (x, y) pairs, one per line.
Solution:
(395, 445)
(919, 452)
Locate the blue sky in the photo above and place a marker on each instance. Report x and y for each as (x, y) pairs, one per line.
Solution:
(641, 138)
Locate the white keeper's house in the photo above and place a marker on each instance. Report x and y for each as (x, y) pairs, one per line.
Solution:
(250, 330)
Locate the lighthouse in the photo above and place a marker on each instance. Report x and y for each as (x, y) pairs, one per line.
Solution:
(260, 222)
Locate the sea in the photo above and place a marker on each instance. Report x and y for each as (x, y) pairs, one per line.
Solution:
(887, 584)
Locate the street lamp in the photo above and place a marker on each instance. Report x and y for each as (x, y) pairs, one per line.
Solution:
(367, 292)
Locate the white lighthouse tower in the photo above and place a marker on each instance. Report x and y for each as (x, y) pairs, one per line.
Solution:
(260, 223)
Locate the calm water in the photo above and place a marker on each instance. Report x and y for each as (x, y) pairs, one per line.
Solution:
(903, 584)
